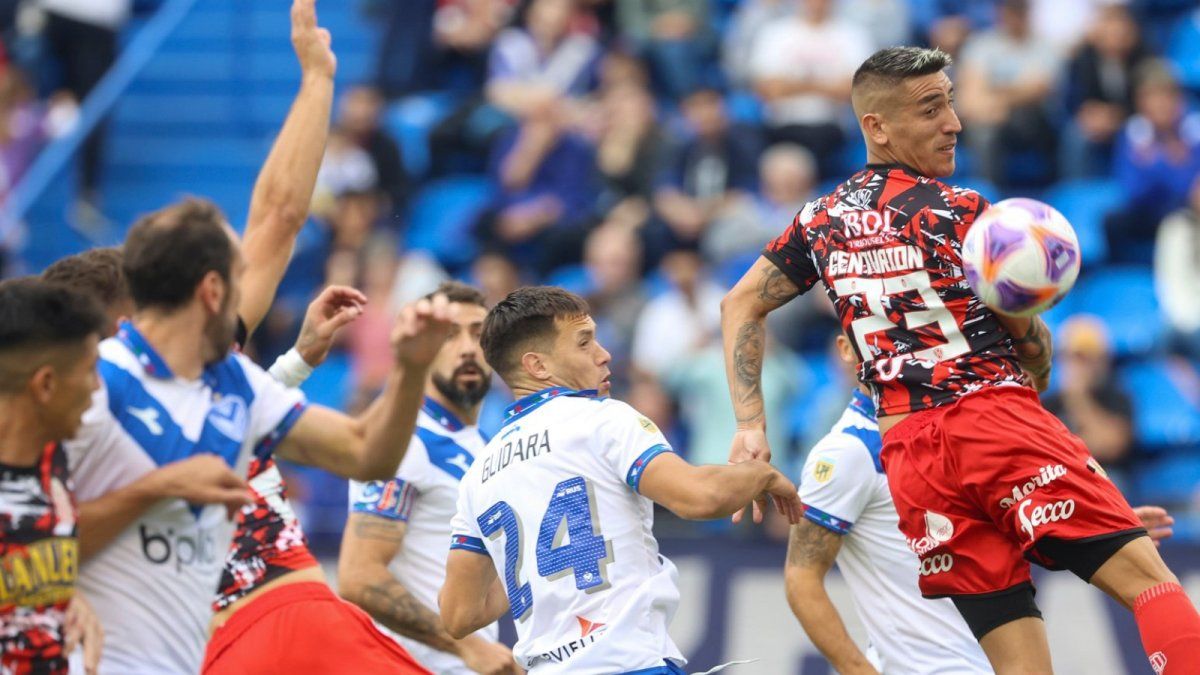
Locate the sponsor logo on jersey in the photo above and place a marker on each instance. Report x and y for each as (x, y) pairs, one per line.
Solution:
(936, 564)
(875, 261)
(823, 471)
(647, 425)
(148, 417)
(178, 549)
(590, 631)
(229, 416)
(40, 573)
(1043, 515)
(1095, 467)
(1158, 661)
(1046, 475)
(938, 530)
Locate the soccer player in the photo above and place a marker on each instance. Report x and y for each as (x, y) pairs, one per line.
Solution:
(48, 338)
(393, 557)
(965, 438)
(554, 518)
(850, 519)
(171, 390)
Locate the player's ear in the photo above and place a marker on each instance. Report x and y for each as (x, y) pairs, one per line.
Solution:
(211, 291)
(43, 383)
(872, 126)
(535, 365)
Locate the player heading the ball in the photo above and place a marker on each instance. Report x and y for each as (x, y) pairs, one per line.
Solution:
(555, 516)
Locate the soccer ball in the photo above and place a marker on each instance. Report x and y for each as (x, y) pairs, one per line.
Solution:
(1021, 257)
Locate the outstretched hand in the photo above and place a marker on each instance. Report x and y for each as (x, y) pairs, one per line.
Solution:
(335, 308)
(311, 42)
(1157, 522)
(783, 493)
(421, 330)
(751, 444)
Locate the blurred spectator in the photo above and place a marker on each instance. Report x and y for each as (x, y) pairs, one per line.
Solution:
(1005, 80)
(26, 124)
(946, 24)
(496, 276)
(346, 197)
(1100, 93)
(680, 321)
(406, 54)
(745, 27)
(787, 176)
(801, 67)
(1177, 274)
(359, 122)
(613, 262)
(1156, 160)
(540, 64)
(674, 36)
(464, 30)
(81, 35)
(1090, 401)
(713, 166)
(547, 195)
(368, 338)
(629, 150)
(887, 22)
(1065, 23)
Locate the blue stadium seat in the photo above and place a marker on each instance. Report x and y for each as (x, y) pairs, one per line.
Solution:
(1085, 203)
(443, 214)
(1170, 479)
(1183, 50)
(411, 120)
(1124, 298)
(1164, 416)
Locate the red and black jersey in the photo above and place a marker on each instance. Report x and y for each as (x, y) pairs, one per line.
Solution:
(268, 542)
(39, 561)
(887, 245)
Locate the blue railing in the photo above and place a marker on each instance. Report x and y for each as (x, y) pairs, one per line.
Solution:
(52, 161)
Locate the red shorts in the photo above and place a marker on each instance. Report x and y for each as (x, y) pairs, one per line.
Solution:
(978, 482)
(304, 628)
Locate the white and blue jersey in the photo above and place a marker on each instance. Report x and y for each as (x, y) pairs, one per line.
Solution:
(423, 495)
(553, 500)
(844, 489)
(152, 586)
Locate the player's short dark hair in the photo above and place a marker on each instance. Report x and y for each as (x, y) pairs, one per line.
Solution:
(97, 272)
(893, 65)
(36, 316)
(168, 253)
(526, 315)
(457, 291)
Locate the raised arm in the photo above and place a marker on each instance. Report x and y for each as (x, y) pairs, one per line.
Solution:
(371, 446)
(712, 491)
(280, 202)
(812, 549)
(369, 543)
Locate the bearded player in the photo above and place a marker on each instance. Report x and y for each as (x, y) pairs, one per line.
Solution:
(963, 428)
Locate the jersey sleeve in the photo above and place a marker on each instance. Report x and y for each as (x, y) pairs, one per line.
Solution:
(630, 441)
(837, 482)
(276, 408)
(102, 457)
(465, 534)
(394, 498)
(968, 206)
(790, 253)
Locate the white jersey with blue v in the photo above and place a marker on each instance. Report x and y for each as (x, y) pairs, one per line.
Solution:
(153, 585)
(554, 500)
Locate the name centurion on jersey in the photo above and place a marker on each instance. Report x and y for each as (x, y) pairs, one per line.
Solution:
(152, 586)
(887, 245)
(424, 495)
(553, 499)
(844, 490)
(39, 560)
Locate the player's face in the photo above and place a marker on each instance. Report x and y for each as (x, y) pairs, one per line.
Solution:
(459, 372)
(922, 128)
(221, 329)
(75, 379)
(578, 361)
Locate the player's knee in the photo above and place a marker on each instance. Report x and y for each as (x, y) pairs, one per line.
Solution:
(987, 612)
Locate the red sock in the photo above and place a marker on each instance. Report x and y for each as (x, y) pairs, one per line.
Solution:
(1170, 628)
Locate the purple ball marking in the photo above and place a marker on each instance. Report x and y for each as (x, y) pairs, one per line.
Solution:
(1014, 298)
(1039, 210)
(1060, 257)
(999, 239)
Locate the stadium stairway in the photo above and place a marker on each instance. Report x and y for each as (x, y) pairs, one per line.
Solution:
(200, 117)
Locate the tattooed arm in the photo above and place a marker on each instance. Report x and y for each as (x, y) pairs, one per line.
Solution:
(1034, 346)
(743, 325)
(812, 550)
(368, 546)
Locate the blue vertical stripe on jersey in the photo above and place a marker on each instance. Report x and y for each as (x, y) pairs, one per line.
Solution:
(445, 453)
(827, 521)
(634, 477)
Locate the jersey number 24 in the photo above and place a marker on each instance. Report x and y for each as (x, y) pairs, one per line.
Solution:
(570, 518)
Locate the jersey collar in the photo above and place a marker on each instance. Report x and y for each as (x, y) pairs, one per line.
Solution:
(528, 404)
(151, 362)
(863, 404)
(444, 417)
(890, 166)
